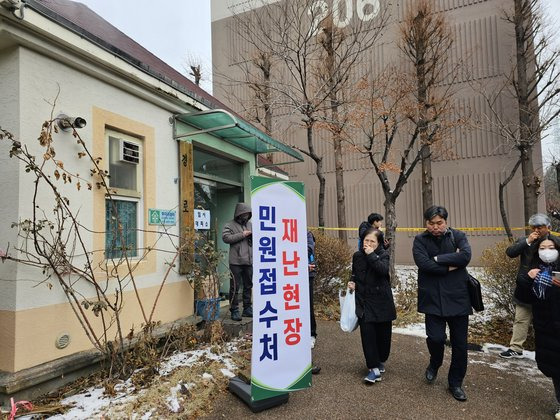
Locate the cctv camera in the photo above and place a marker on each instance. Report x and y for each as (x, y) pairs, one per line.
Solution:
(10, 4)
(66, 123)
(79, 122)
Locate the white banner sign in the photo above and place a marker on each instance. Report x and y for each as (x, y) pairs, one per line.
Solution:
(281, 356)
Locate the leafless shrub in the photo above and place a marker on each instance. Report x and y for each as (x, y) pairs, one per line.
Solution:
(500, 273)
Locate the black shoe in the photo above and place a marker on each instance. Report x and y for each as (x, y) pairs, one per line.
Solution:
(315, 370)
(458, 393)
(431, 374)
(248, 312)
(509, 354)
(235, 315)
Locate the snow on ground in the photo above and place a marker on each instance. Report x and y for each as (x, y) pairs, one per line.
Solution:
(92, 403)
(417, 330)
(525, 366)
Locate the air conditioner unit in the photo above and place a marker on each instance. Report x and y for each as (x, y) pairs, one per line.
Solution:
(129, 152)
(10, 4)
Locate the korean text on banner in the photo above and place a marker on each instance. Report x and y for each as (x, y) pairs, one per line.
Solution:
(281, 356)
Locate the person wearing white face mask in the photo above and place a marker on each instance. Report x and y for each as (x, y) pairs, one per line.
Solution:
(541, 287)
(524, 248)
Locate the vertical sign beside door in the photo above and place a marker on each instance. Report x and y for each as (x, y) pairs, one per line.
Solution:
(186, 180)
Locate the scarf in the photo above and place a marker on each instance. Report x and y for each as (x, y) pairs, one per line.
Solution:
(542, 282)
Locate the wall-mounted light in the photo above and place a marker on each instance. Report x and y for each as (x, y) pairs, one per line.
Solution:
(66, 123)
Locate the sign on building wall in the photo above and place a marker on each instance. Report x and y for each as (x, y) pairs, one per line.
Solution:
(162, 217)
(281, 356)
(201, 219)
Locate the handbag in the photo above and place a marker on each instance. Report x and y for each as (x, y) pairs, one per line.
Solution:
(473, 286)
(475, 293)
(348, 318)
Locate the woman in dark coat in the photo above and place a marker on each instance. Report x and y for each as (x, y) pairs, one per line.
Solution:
(542, 288)
(375, 307)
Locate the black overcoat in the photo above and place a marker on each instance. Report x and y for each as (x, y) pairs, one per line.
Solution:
(440, 291)
(374, 297)
(524, 251)
(546, 323)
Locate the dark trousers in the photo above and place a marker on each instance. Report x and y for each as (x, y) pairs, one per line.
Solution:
(311, 310)
(556, 382)
(240, 275)
(376, 341)
(458, 328)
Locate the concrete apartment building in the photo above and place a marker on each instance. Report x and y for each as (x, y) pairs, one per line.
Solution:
(467, 180)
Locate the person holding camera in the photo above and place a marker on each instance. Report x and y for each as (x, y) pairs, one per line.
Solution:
(375, 307)
(524, 249)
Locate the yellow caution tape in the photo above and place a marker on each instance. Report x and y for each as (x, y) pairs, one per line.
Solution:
(412, 229)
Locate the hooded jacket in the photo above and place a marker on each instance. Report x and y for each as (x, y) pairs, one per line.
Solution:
(240, 247)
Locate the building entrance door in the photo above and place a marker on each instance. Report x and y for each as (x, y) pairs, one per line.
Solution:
(217, 188)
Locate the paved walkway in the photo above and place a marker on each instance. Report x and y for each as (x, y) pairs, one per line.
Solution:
(496, 388)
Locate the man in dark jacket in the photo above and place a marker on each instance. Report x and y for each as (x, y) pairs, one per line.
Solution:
(442, 254)
(374, 220)
(238, 234)
(524, 249)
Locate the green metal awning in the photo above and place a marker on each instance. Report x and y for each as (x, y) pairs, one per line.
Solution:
(224, 125)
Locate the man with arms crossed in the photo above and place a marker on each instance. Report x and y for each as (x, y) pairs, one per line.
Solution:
(442, 254)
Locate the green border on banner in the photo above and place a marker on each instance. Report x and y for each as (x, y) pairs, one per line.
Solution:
(260, 391)
(258, 182)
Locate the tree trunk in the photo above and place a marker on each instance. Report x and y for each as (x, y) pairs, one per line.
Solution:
(328, 44)
(427, 188)
(339, 179)
(421, 46)
(319, 172)
(503, 211)
(390, 233)
(526, 119)
(266, 66)
(530, 183)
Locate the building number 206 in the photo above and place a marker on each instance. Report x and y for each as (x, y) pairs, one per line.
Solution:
(342, 11)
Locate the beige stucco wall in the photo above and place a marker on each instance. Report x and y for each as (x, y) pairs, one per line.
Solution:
(9, 112)
(102, 105)
(32, 314)
(34, 331)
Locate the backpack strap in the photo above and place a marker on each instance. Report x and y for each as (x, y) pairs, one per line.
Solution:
(452, 238)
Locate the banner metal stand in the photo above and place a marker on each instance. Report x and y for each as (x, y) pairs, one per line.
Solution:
(242, 389)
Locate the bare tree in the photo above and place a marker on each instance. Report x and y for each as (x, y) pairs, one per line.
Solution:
(426, 41)
(393, 137)
(534, 82)
(344, 46)
(409, 110)
(311, 51)
(197, 69)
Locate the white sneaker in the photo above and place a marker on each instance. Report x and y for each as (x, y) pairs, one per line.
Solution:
(557, 415)
(313, 340)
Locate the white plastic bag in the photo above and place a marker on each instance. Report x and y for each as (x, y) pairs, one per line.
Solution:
(348, 318)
